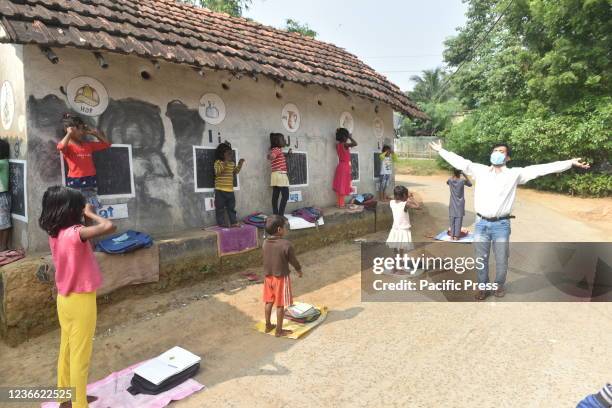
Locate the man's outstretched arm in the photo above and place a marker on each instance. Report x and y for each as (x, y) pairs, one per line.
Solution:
(531, 172)
(457, 161)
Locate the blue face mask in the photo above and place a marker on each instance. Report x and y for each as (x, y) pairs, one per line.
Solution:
(497, 158)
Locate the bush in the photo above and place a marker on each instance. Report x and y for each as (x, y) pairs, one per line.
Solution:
(538, 135)
(589, 184)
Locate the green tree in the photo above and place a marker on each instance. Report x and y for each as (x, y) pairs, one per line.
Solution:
(433, 95)
(232, 7)
(294, 26)
(429, 86)
(536, 74)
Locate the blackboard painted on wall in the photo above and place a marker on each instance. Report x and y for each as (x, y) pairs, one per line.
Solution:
(114, 171)
(297, 168)
(204, 169)
(377, 163)
(355, 166)
(18, 188)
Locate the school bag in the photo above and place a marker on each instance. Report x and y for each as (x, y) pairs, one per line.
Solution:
(256, 219)
(126, 242)
(361, 199)
(310, 214)
(140, 385)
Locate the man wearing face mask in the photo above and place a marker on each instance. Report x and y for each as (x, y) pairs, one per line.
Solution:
(493, 199)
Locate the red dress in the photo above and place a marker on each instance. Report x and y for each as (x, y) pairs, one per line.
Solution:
(342, 179)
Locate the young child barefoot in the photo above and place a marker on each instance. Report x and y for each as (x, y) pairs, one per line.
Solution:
(400, 237)
(77, 277)
(278, 253)
(387, 158)
(225, 170)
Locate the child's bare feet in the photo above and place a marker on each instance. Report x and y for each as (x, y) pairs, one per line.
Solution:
(283, 333)
(236, 225)
(270, 327)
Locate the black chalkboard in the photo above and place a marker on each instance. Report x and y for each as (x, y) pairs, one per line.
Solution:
(113, 171)
(354, 166)
(204, 162)
(377, 164)
(18, 189)
(297, 168)
(113, 167)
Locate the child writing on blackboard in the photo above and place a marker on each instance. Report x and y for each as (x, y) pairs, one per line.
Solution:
(5, 196)
(387, 158)
(343, 177)
(225, 200)
(78, 153)
(278, 179)
(77, 278)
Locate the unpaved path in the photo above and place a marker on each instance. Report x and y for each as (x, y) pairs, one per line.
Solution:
(366, 354)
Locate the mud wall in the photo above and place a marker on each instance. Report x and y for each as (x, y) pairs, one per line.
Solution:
(13, 123)
(159, 118)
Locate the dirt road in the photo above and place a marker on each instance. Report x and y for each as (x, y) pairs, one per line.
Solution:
(366, 354)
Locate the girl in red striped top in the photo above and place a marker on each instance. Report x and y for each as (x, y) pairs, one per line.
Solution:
(278, 180)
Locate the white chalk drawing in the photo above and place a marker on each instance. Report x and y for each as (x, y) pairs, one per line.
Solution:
(291, 118)
(379, 127)
(87, 96)
(212, 108)
(347, 122)
(7, 105)
(113, 211)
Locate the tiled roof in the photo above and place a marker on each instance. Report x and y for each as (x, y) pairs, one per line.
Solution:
(164, 29)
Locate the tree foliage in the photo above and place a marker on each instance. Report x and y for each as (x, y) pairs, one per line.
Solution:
(540, 80)
(294, 26)
(433, 95)
(232, 7)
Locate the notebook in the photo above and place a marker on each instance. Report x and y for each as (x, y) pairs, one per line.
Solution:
(166, 365)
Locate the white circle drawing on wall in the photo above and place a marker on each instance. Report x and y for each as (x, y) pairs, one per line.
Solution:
(212, 109)
(7, 105)
(291, 118)
(347, 122)
(87, 96)
(379, 127)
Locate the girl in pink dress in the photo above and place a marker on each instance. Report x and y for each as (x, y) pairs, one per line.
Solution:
(342, 179)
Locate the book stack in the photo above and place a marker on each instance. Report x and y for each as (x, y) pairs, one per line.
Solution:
(164, 372)
(302, 313)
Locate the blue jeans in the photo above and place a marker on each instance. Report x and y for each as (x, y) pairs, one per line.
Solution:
(497, 232)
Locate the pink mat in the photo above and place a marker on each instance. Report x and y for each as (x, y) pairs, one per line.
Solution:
(112, 392)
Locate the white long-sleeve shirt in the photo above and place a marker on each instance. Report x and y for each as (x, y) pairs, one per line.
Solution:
(495, 191)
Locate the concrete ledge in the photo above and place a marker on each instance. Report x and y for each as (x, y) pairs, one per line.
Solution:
(27, 305)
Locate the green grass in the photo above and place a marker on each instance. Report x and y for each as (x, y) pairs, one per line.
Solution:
(418, 167)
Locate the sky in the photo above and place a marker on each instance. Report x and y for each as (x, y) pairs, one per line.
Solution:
(388, 35)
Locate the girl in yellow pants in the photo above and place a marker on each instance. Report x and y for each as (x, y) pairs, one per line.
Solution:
(77, 314)
(77, 278)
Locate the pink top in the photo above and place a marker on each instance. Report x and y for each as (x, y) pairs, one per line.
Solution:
(344, 154)
(76, 268)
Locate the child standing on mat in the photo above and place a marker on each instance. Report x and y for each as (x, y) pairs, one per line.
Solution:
(5, 196)
(77, 277)
(78, 153)
(387, 158)
(225, 200)
(400, 237)
(279, 179)
(456, 207)
(342, 178)
(278, 253)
